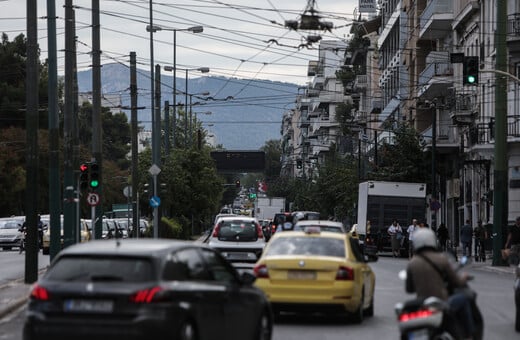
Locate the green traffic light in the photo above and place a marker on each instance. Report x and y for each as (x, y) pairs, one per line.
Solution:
(94, 183)
(471, 79)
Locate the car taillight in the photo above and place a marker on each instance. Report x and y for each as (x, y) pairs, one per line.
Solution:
(259, 231)
(423, 313)
(145, 295)
(39, 293)
(216, 230)
(345, 274)
(261, 271)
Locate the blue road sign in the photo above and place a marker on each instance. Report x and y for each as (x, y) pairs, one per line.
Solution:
(155, 201)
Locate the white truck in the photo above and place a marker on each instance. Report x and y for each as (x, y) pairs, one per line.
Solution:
(267, 207)
(381, 202)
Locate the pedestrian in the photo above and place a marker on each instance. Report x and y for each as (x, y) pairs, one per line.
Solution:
(411, 228)
(480, 233)
(443, 236)
(396, 235)
(466, 236)
(512, 246)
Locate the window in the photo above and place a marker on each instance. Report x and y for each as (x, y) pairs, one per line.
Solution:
(358, 254)
(185, 265)
(218, 268)
(320, 246)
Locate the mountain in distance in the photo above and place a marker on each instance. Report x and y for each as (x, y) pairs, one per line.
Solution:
(245, 113)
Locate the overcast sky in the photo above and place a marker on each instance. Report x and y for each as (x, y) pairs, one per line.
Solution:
(241, 38)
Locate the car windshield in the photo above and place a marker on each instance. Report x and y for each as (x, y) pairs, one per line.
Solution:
(87, 269)
(10, 225)
(295, 245)
(237, 230)
(322, 227)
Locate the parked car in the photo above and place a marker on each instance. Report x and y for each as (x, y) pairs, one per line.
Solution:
(317, 271)
(145, 289)
(84, 235)
(10, 234)
(238, 238)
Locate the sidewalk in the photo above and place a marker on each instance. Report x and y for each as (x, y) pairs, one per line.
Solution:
(488, 266)
(14, 294)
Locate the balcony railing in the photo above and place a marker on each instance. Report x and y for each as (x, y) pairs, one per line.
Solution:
(435, 70)
(513, 25)
(435, 7)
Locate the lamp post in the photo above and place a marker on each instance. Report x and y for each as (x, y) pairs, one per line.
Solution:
(193, 29)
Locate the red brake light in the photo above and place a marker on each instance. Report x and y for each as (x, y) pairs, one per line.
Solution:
(39, 293)
(216, 230)
(259, 231)
(423, 313)
(145, 295)
(261, 271)
(345, 274)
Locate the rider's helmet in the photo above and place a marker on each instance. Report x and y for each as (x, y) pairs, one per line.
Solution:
(424, 238)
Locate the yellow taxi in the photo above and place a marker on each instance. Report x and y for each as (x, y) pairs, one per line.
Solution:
(313, 270)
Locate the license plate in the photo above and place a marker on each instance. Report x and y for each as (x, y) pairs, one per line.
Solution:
(88, 306)
(301, 275)
(418, 335)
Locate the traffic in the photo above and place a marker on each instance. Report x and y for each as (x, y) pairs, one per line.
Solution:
(235, 282)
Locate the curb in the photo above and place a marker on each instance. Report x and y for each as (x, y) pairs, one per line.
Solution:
(14, 305)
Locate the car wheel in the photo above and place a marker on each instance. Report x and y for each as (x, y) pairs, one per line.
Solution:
(188, 331)
(265, 326)
(357, 316)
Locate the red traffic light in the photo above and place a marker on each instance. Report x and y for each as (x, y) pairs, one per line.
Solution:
(83, 167)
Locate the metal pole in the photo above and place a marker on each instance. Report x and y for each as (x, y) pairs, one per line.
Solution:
(54, 144)
(167, 128)
(434, 170)
(31, 255)
(174, 115)
(191, 122)
(97, 128)
(157, 112)
(186, 111)
(500, 194)
(133, 106)
(155, 212)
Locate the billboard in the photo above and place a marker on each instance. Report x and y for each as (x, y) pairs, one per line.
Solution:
(239, 161)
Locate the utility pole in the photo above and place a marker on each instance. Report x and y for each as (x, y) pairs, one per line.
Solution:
(54, 141)
(167, 128)
(31, 117)
(133, 106)
(97, 129)
(500, 176)
(68, 124)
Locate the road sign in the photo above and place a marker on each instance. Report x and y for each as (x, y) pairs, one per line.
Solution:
(155, 201)
(127, 191)
(154, 170)
(92, 199)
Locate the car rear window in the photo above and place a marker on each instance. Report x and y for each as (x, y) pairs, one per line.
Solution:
(237, 230)
(295, 245)
(11, 225)
(89, 268)
(322, 227)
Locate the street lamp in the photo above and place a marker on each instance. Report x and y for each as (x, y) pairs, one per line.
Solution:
(193, 29)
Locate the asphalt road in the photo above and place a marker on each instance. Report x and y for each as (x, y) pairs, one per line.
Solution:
(495, 298)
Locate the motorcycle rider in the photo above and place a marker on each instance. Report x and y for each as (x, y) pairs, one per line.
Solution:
(430, 273)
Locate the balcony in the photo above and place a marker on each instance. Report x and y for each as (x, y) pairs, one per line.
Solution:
(435, 19)
(464, 110)
(304, 119)
(435, 79)
(513, 33)
(361, 82)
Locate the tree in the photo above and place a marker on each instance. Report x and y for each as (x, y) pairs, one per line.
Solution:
(402, 160)
(12, 83)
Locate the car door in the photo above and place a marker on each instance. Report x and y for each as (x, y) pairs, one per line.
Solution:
(197, 290)
(365, 269)
(242, 307)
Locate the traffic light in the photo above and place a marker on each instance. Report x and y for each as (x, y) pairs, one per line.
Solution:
(84, 176)
(94, 175)
(237, 183)
(299, 164)
(470, 70)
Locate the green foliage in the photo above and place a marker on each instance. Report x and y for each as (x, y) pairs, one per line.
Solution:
(170, 228)
(12, 82)
(403, 160)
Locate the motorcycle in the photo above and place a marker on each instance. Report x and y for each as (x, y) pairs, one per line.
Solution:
(432, 318)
